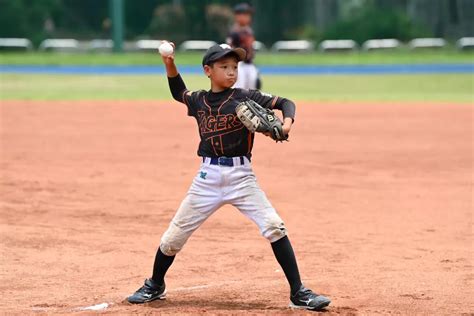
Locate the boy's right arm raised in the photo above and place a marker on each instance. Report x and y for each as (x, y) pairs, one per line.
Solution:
(176, 83)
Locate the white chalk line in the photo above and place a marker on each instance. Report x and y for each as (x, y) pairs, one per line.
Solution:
(96, 307)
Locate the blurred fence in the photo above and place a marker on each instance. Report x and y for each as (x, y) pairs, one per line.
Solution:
(296, 46)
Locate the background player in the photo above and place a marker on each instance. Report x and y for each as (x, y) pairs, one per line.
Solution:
(225, 175)
(241, 35)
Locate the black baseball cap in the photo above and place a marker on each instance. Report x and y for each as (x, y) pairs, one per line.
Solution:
(219, 51)
(243, 8)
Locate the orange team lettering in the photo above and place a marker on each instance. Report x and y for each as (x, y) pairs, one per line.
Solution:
(217, 123)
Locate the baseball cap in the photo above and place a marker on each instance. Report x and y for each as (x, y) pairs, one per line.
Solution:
(219, 51)
(243, 8)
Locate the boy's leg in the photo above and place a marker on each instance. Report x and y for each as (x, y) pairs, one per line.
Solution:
(254, 204)
(192, 213)
(202, 200)
(161, 266)
(287, 260)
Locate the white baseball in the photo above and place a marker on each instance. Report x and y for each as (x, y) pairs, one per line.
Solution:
(165, 49)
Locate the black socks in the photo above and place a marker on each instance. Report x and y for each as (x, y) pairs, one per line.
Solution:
(286, 258)
(281, 248)
(161, 265)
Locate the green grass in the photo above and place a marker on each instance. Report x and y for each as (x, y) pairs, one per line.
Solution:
(443, 87)
(393, 57)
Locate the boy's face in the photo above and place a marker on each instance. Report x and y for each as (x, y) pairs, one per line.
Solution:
(223, 73)
(243, 19)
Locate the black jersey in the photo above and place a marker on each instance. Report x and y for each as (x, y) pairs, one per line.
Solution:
(221, 132)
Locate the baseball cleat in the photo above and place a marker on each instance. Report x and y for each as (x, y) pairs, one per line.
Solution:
(307, 299)
(150, 291)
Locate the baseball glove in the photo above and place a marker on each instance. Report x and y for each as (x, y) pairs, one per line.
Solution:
(259, 119)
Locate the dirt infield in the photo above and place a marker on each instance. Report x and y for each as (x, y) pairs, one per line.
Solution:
(376, 197)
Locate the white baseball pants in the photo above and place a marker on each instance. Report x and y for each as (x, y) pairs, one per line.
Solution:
(213, 187)
(247, 76)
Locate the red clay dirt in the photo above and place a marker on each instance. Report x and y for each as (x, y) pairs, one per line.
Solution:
(376, 197)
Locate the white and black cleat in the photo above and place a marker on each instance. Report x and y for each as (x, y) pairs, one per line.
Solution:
(149, 292)
(307, 299)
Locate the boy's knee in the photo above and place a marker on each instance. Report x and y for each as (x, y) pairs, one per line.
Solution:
(169, 248)
(173, 240)
(275, 231)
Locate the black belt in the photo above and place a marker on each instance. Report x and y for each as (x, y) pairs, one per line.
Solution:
(225, 161)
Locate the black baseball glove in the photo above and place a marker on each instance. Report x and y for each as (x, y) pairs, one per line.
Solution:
(259, 119)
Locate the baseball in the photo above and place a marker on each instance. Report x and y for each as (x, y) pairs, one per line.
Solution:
(165, 49)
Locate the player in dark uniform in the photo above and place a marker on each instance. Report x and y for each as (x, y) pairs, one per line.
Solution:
(225, 175)
(241, 35)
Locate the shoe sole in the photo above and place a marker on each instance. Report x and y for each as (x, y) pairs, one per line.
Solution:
(162, 296)
(314, 308)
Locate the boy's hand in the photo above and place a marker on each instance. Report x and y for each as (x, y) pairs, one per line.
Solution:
(263, 120)
(171, 70)
(169, 60)
(286, 127)
(287, 123)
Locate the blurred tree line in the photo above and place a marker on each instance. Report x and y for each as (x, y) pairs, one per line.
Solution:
(180, 20)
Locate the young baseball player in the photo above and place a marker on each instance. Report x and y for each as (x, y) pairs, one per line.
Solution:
(225, 175)
(241, 35)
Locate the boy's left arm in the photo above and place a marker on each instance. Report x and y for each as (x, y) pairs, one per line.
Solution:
(287, 107)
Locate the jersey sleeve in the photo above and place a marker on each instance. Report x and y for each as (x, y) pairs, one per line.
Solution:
(190, 99)
(264, 99)
(181, 94)
(287, 107)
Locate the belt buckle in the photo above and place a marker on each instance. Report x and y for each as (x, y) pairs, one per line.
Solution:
(225, 161)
